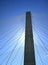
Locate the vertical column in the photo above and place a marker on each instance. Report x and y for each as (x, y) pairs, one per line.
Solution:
(29, 56)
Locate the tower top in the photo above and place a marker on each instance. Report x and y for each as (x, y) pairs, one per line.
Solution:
(28, 12)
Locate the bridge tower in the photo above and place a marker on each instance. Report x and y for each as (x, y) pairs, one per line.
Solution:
(29, 53)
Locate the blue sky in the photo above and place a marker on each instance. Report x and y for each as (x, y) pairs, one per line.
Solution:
(12, 30)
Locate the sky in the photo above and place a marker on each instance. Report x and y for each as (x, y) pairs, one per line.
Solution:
(12, 30)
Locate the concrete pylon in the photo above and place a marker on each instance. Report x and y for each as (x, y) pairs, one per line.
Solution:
(29, 53)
